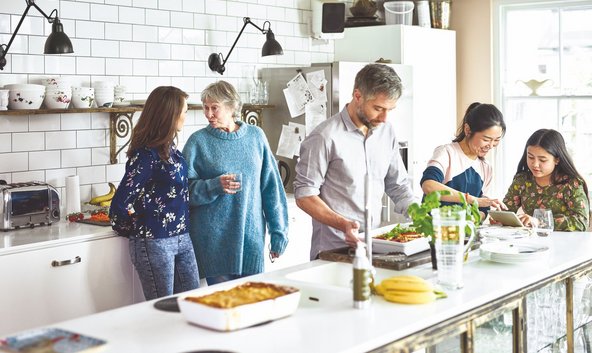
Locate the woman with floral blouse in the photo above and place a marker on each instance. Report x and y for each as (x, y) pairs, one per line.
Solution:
(151, 205)
(547, 178)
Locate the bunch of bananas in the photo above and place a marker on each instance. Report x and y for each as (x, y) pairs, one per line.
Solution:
(408, 290)
(104, 200)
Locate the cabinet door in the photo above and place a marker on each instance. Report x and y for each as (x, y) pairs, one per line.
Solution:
(299, 235)
(63, 282)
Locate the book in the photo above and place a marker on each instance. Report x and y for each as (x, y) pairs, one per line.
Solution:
(50, 340)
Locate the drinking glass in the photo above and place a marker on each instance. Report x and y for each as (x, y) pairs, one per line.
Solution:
(543, 223)
(449, 232)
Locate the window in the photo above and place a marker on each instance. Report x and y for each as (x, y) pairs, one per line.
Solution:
(545, 79)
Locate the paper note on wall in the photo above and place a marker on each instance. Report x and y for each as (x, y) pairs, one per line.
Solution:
(315, 113)
(300, 130)
(288, 144)
(317, 83)
(297, 95)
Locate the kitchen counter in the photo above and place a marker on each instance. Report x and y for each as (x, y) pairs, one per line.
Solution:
(40, 237)
(331, 324)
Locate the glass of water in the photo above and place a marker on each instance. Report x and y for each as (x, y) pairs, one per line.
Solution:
(543, 223)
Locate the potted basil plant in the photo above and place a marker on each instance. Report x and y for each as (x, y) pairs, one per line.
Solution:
(422, 218)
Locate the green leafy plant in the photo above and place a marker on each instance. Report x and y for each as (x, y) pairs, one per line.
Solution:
(422, 219)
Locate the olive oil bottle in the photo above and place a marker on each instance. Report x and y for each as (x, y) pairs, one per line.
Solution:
(362, 278)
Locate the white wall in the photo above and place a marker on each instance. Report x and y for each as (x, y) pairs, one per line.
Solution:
(140, 44)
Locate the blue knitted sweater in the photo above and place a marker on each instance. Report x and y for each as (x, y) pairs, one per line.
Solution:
(228, 230)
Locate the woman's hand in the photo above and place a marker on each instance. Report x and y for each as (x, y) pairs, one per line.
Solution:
(495, 204)
(527, 220)
(228, 184)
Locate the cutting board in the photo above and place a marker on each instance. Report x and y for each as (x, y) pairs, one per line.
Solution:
(95, 223)
(391, 261)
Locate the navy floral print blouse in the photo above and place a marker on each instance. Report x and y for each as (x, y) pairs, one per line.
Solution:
(152, 200)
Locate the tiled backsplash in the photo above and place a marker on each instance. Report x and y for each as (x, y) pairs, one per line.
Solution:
(140, 44)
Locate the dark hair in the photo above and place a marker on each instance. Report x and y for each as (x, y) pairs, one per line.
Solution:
(552, 142)
(374, 79)
(480, 117)
(157, 126)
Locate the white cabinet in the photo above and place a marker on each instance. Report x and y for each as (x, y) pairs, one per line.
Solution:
(61, 282)
(432, 55)
(299, 235)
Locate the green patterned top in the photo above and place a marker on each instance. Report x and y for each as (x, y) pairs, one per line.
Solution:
(567, 200)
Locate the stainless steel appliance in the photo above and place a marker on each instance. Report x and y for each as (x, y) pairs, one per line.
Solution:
(340, 82)
(28, 204)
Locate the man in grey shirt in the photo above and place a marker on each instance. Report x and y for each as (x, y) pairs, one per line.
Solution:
(334, 158)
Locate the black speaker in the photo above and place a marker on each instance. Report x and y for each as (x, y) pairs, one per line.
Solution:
(333, 18)
(328, 19)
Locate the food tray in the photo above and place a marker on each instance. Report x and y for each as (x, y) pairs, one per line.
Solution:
(382, 246)
(230, 319)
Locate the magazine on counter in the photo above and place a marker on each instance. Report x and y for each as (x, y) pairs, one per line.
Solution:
(50, 340)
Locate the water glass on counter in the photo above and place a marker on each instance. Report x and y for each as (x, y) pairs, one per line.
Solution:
(449, 232)
(543, 223)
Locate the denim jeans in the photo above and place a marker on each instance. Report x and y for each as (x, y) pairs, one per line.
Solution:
(165, 265)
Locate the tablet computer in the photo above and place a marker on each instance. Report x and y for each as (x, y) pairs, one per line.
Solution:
(506, 218)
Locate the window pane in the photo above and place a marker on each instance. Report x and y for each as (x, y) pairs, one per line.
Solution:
(577, 52)
(532, 44)
(576, 127)
(523, 116)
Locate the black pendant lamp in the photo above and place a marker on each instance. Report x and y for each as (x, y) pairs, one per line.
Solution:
(57, 42)
(217, 62)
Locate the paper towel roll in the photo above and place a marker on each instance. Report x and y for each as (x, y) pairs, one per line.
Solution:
(72, 194)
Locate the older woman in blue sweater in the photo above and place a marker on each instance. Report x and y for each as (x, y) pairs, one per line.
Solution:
(228, 225)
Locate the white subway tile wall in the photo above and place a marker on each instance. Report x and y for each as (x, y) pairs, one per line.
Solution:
(139, 44)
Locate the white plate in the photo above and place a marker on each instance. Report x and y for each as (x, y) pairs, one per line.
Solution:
(504, 233)
(230, 319)
(381, 246)
(513, 252)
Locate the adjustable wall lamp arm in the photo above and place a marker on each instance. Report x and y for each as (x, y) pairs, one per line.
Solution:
(4, 47)
(246, 20)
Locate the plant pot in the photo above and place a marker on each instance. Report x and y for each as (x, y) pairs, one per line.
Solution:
(433, 253)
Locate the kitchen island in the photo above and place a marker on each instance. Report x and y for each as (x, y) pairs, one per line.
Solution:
(328, 323)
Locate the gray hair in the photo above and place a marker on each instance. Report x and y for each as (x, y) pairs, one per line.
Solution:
(224, 93)
(376, 79)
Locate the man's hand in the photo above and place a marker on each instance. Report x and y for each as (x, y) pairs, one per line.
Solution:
(351, 233)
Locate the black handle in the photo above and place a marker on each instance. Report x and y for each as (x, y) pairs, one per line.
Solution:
(284, 172)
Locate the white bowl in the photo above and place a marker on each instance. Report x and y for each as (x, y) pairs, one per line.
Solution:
(103, 84)
(24, 86)
(57, 101)
(82, 100)
(25, 99)
(56, 81)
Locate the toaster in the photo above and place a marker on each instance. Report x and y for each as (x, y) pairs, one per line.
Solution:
(28, 204)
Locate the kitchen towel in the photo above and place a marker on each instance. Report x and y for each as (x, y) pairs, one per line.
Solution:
(72, 194)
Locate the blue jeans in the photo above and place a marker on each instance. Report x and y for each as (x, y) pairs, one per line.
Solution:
(165, 265)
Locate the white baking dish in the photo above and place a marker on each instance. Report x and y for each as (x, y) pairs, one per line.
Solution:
(382, 246)
(229, 319)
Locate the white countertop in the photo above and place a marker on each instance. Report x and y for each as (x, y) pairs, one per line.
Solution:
(330, 325)
(62, 232)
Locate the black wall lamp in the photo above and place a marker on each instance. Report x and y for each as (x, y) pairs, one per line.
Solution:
(216, 62)
(57, 42)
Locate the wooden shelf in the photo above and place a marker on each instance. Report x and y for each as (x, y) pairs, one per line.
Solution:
(121, 123)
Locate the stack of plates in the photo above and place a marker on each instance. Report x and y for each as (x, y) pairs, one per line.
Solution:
(513, 252)
(504, 233)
